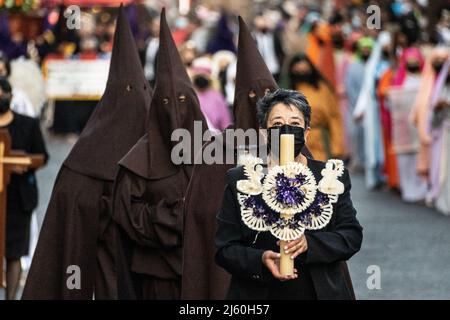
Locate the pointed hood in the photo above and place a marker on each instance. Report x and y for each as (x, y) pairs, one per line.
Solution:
(119, 118)
(174, 106)
(253, 79)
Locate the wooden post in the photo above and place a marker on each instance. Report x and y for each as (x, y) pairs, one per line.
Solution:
(9, 158)
(286, 155)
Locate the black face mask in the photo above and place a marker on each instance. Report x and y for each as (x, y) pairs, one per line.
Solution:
(386, 54)
(299, 138)
(365, 56)
(413, 68)
(302, 77)
(338, 41)
(437, 67)
(201, 82)
(5, 103)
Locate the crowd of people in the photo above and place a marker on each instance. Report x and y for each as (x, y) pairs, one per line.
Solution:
(359, 80)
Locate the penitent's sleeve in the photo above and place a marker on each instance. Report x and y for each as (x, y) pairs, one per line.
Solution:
(152, 225)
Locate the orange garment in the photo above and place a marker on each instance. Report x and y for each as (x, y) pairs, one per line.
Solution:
(321, 52)
(390, 157)
(326, 139)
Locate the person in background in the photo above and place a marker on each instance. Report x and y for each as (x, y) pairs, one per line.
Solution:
(88, 48)
(353, 84)
(151, 51)
(200, 34)
(319, 46)
(430, 115)
(367, 112)
(343, 55)
(443, 28)
(22, 192)
(269, 45)
(20, 102)
(230, 84)
(384, 82)
(439, 193)
(188, 52)
(12, 42)
(422, 111)
(401, 142)
(221, 61)
(107, 36)
(222, 37)
(326, 137)
(212, 103)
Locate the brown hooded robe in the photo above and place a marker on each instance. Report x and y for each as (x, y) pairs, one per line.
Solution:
(150, 188)
(76, 238)
(203, 279)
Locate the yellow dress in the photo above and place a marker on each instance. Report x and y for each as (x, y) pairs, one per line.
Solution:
(326, 139)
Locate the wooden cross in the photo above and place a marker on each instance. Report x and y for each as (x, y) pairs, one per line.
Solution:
(8, 159)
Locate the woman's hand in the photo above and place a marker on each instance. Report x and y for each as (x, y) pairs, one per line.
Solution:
(296, 247)
(272, 261)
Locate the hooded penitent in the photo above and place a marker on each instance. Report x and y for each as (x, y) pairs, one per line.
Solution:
(150, 187)
(204, 279)
(112, 129)
(77, 229)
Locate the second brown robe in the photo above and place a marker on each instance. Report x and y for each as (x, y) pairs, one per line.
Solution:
(150, 188)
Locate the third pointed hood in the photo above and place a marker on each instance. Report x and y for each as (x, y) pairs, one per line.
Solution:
(253, 80)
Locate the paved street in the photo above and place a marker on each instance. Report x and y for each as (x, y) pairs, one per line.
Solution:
(409, 243)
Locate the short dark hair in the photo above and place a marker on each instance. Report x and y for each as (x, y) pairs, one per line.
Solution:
(288, 98)
(5, 85)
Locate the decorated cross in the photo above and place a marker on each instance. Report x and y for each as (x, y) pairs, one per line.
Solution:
(288, 200)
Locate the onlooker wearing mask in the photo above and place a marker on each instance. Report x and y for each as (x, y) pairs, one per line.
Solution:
(269, 45)
(326, 138)
(397, 89)
(212, 103)
(353, 84)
